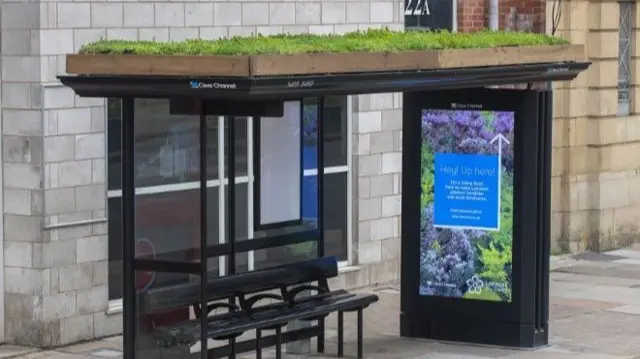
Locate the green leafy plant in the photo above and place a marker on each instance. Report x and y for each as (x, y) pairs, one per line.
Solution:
(373, 40)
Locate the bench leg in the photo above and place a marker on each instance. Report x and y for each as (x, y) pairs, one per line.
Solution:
(321, 336)
(232, 348)
(340, 334)
(258, 344)
(278, 342)
(360, 330)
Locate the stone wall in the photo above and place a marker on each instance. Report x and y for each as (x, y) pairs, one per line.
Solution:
(54, 193)
(596, 183)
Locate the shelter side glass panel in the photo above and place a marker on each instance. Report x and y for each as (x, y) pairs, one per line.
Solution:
(168, 228)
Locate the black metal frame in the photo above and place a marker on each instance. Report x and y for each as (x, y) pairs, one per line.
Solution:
(523, 321)
(529, 307)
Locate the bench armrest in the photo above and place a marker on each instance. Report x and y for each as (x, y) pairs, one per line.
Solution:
(247, 304)
(293, 293)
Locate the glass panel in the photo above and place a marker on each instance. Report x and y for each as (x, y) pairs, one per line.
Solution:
(167, 145)
(335, 211)
(240, 147)
(335, 132)
(241, 222)
(168, 229)
(624, 58)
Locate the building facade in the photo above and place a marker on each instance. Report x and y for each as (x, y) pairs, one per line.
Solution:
(60, 153)
(60, 163)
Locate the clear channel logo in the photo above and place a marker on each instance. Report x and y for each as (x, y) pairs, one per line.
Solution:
(475, 285)
(212, 85)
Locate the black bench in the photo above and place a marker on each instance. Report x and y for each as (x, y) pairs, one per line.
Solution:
(240, 294)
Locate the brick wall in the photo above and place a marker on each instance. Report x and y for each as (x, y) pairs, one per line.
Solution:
(54, 191)
(528, 15)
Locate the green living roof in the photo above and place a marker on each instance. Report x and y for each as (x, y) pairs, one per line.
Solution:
(367, 41)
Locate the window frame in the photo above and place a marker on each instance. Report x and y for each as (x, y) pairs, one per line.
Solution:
(115, 305)
(625, 43)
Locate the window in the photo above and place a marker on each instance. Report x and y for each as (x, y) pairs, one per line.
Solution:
(624, 58)
(167, 193)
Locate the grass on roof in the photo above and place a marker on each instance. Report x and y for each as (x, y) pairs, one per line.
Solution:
(362, 41)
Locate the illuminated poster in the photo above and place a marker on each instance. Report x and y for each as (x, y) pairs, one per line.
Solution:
(428, 14)
(466, 200)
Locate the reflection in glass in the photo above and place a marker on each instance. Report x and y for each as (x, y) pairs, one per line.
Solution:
(168, 225)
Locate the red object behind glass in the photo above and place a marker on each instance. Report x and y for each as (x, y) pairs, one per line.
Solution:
(159, 215)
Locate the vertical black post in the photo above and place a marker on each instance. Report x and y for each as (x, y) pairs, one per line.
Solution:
(320, 194)
(231, 210)
(546, 208)
(204, 270)
(128, 229)
(321, 176)
(231, 205)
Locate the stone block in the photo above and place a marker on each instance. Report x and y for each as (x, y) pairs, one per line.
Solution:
(92, 300)
(72, 121)
(22, 175)
(90, 197)
(392, 119)
(391, 249)
(100, 272)
(602, 102)
(369, 252)
(169, 14)
(610, 130)
(85, 36)
(198, 14)
(117, 34)
(321, 29)
(19, 42)
(282, 13)
(364, 187)
(308, 13)
(26, 281)
(333, 13)
(16, 96)
(614, 194)
(632, 129)
(21, 68)
(55, 254)
(570, 103)
(255, 14)
(391, 206)
(381, 142)
(369, 121)
(381, 185)
(383, 228)
(21, 122)
(56, 42)
(59, 96)
(370, 165)
(90, 146)
(603, 45)
(345, 28)
(18, 254)
(92, 249)
(364, 231)
(603, 73)
(153, 34)
(20, 15)
(74, 15)
(369, 208)
(21, 228)
(18, 201)
(107, 14)
(137, 14)
(358, 12)
(106, 324)
(76, 328)
(60, 200)
(98, 171)
(391, 162)
(375, 102)
(75, 276)
(75, 173)
(604, 15)
(381, 12)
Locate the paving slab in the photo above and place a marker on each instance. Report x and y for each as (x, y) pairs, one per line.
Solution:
(594, 306)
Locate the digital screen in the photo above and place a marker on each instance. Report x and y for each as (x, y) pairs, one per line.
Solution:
(466, 204)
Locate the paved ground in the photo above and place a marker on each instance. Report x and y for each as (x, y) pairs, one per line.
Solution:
(595, 315)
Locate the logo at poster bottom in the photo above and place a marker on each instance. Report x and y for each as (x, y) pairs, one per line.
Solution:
(146, 250)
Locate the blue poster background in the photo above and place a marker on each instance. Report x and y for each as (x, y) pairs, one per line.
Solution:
(466, 191)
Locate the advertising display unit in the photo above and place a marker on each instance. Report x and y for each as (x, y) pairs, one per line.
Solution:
(466, 209)
(475, 217)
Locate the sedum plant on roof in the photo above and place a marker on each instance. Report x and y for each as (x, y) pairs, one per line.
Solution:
(375, 40)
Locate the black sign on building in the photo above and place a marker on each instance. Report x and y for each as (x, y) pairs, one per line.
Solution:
(428, 14)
